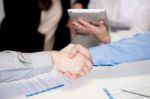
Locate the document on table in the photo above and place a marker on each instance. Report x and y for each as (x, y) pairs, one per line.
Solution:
(29, 87)
(133, 91)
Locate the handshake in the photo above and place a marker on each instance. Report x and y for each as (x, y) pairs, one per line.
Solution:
(73, 61)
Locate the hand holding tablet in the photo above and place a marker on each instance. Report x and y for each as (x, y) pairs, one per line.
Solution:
(90, 22)
(93, 16)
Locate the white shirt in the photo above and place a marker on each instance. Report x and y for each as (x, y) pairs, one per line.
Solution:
(132, 13)
(17, 65)
(49, 22)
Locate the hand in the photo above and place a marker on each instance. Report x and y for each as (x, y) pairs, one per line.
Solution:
(70, 26)
(76, 49)
(72, 68)
(75, 5)
(99, 31)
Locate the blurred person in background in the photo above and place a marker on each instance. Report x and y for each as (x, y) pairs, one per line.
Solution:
(30, 26)
(125, 19)
(18, 30)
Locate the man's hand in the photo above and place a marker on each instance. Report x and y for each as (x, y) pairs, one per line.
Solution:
(78, 49)
(75, 67)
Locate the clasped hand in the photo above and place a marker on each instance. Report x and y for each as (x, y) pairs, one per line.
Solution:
(73, 61)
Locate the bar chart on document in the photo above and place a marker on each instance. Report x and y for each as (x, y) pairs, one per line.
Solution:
(34, 86)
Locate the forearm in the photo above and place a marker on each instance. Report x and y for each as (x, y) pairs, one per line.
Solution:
(16, 65)
(103, 37)
(127, 50)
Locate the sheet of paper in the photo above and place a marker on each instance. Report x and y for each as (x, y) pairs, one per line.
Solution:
(91, 86)
(33, 86)
(135, 90)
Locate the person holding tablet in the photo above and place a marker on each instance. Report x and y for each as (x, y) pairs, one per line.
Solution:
(126, 18)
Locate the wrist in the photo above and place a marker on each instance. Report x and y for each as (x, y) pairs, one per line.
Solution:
(103, 38)
(102, 35)
(54, 55)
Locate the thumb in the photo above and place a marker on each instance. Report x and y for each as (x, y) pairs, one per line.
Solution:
(101, 23)
(68, 47)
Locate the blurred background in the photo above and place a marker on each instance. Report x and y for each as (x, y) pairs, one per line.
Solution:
(37, 25)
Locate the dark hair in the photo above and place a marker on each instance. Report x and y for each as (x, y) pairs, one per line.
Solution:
(45, 4)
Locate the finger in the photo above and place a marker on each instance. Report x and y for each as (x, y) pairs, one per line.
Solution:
(73, 31)
(79, 49)
(102, 24)
(68, 74)
(69, 23)
(89, 63)
(75, 76)
(84, 51)
(61, 72)
(68, 47)
(75, 24)
(85, 23)
(86, 69)
(74, 51)
(79, 27)
(82, 73)
(71, 75)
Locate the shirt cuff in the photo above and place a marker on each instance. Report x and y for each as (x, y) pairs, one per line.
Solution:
(97, 55)
(41, 62)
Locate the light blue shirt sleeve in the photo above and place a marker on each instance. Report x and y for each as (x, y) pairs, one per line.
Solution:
(17, 65)
(123, 51)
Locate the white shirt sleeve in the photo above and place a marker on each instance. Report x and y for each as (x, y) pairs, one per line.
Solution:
(140, 23)
(17, 65)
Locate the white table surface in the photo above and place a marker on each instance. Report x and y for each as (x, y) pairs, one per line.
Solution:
(90, 87)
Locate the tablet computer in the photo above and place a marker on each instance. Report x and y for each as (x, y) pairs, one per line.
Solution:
(91, 15)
